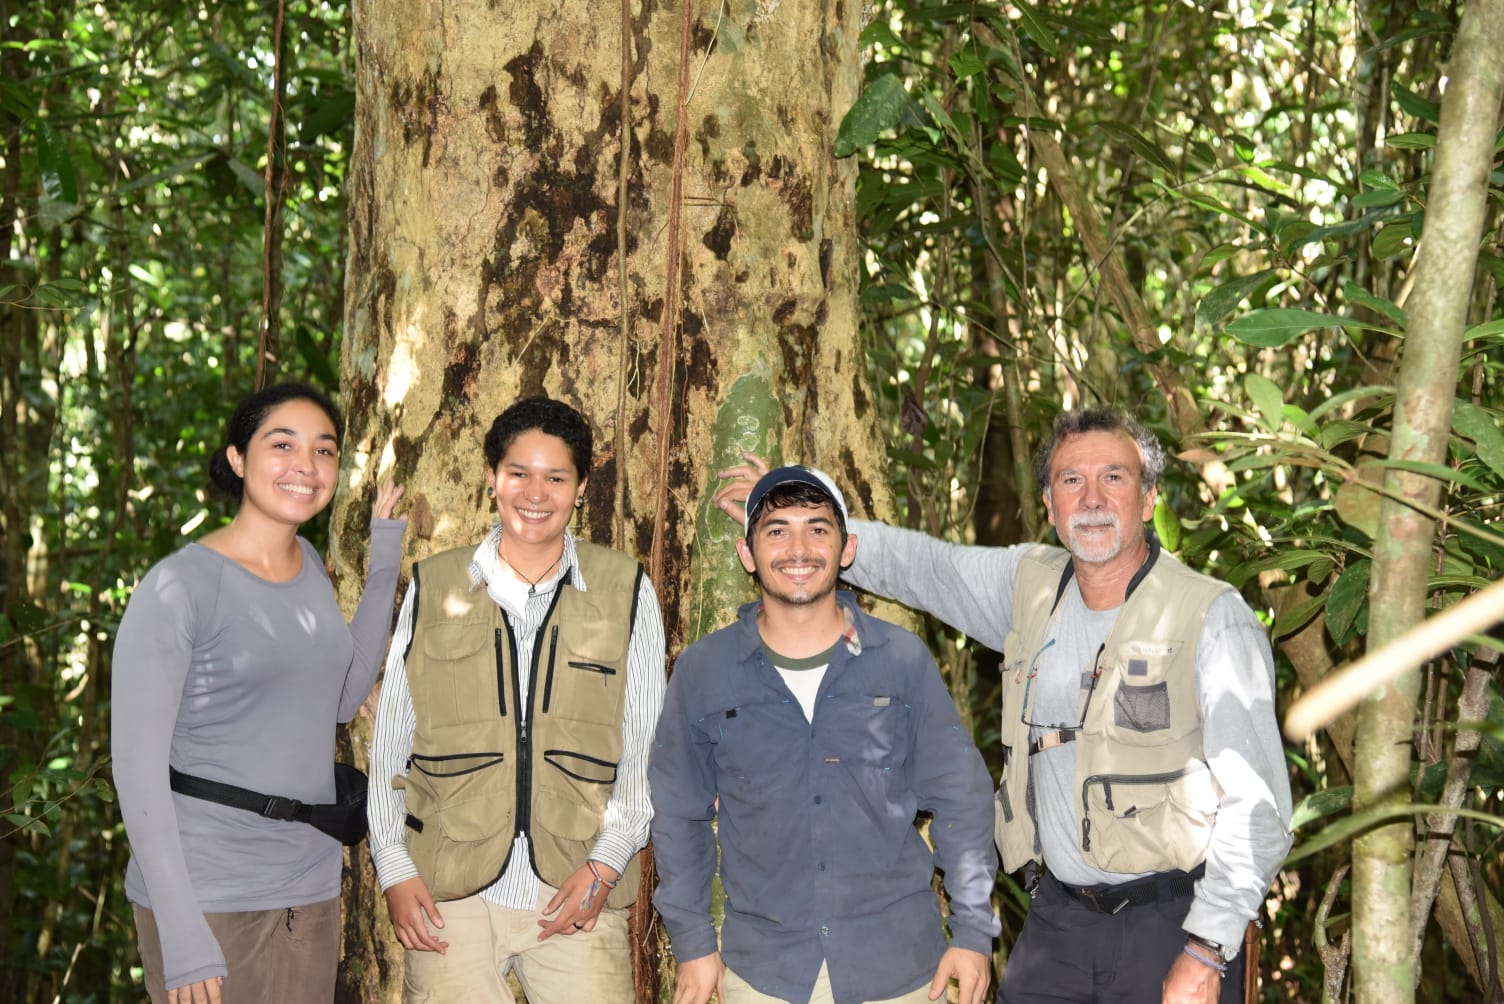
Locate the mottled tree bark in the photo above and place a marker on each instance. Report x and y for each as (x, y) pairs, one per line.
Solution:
(510, 234)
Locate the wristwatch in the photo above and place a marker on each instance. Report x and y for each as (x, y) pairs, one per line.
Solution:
(1223, 952)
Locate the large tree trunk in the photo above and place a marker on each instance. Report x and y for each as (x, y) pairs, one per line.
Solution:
(1383, 967)
(503, 244)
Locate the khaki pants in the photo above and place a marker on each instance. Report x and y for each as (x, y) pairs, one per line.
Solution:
(284, 956)
(487, 941)
(739, 991)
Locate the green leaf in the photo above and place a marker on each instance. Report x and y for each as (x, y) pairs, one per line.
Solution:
(1357, 505)
(1354, 825)
(1360, 297)
(1440, 472)
(1267, 398)
(1333, 434)
(1487, 329)
(1320, 804)
(59, 182)
(1166, 524)
(1392, 240)
(1034, 27)
(1277, 326)
(877, 109)
(249, 176)
(313, 357)
(1411, 141)
(1414, 104)
(1224, 299)
(1378, 180)
(1478, 424)
(1346, 600)
(332, 114)
(27, 823)
(1347, 397)
(966, 64)
(1378, 198)
(1296, 617)
(1141, 145)
(879, 33)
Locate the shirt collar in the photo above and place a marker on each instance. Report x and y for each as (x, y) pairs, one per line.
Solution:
(485, 564)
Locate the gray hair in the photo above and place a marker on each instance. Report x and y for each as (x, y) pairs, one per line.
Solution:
(1073, 423)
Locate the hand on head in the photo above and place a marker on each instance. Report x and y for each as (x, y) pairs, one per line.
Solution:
(731, 499)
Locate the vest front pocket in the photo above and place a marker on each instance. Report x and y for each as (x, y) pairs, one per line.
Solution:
(459, 846)
(585, 673)
(1148, 822)
(446, 691)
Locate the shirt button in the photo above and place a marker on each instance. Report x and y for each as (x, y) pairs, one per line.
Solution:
(821, 866)
(819, 799)
(824, 930)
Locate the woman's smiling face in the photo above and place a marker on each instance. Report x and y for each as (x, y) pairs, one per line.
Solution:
(536, 487)
(291, 464)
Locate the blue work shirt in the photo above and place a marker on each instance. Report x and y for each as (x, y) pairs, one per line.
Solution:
(820, 857)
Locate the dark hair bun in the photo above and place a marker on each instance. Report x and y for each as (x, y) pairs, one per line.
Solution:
(223, 475)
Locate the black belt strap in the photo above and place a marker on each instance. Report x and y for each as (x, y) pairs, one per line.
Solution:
(1112, 899)
(270, 806)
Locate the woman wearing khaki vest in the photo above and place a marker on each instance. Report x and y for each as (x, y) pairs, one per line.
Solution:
(509, 767)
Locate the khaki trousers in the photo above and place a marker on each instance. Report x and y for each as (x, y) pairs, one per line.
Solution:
(487, 941)
(284, 956)
(739, 991)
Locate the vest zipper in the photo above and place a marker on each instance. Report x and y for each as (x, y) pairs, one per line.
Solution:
(524, 738)
(1107, 781)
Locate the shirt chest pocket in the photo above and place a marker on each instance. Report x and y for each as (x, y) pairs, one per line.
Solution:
(757, 738)
(863, 729)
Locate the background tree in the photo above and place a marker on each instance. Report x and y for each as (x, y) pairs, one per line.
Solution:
(634, 210)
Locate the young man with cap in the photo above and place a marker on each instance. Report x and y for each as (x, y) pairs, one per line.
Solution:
(813, 733)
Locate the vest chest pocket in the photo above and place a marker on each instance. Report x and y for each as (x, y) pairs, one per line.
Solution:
(586, 670)
(1149, 700)
(456, 679)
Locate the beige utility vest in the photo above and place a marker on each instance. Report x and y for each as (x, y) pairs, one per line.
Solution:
(480, 773)
(1147, 799)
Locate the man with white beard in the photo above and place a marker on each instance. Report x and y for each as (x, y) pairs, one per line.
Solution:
(1144, 788)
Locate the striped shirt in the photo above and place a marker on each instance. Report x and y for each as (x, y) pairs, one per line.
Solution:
(629, 810)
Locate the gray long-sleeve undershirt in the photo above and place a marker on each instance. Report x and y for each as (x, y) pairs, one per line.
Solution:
(228, 676)
(971, 588)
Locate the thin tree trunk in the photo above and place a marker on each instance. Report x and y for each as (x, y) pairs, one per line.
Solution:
(1383, 967)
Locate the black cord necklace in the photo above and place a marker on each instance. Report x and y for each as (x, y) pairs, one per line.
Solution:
(532, 584)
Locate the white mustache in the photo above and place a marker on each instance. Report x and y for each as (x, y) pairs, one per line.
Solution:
(1083, 520)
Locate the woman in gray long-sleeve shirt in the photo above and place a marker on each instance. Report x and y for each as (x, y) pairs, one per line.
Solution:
(234, 663)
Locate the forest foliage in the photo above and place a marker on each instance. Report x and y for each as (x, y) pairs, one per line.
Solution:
(1205, 213)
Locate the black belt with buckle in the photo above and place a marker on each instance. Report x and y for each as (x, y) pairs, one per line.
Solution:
(1111, 899)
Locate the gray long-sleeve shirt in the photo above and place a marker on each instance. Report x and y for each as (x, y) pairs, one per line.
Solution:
(228, 676)
(971, 588)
